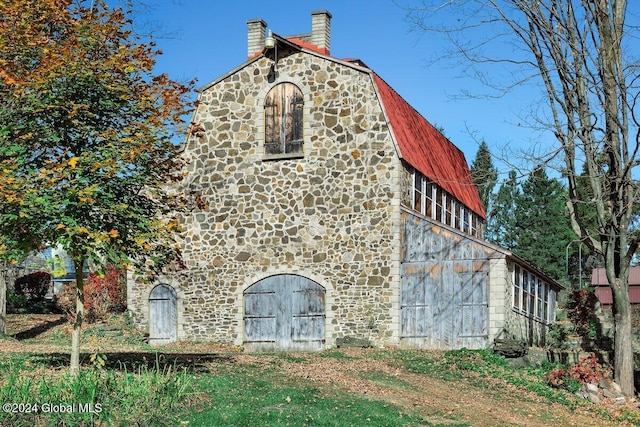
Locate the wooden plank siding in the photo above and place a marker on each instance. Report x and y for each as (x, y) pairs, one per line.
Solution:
(284, 313)
(444, 288)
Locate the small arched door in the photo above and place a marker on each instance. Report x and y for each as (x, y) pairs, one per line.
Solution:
(284, 313)
(163, 315)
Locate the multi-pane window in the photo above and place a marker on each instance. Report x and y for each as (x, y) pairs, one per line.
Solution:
(466, 218)
(283, 124)
(517, 287)
(432, 201)
(448, 208)
(532, 296)
(429, 199)
(418, 203)
(540, 297)
(524, 280)
(439, 206)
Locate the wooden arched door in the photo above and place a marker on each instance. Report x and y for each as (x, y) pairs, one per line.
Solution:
(163, 315)
(284, 313)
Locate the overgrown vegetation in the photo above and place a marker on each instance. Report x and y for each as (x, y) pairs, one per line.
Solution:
(581, 310)
(104, 295)
(151, 396)
(27, 294)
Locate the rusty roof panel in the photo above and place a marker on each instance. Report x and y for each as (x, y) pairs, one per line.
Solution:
(427, 150)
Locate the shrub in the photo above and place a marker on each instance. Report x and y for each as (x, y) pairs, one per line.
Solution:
(16, 303)
(557, 336)
(33, 285)
(587, 371)
(581, 310)
(103, 295)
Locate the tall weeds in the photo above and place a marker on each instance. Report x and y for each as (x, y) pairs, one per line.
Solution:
(147, 396)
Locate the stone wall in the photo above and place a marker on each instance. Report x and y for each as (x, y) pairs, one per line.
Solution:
(406, 184)
(331, 215)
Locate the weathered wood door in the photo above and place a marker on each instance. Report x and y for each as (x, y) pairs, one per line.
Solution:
(284, 313)
(444, 304)
(163, 315)
(444, 287)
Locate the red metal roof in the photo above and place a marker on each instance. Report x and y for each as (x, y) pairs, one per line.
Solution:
(427, 150)
(309, 46)
(420, 144)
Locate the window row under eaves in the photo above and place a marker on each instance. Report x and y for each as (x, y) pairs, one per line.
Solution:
(432, 201)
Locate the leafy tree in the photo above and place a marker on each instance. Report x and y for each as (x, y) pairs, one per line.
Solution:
(583, 55)
(86, 134)
(501, 220)
(542, 224)
(485, 174)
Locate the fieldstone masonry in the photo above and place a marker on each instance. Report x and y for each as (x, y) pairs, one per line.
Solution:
(331, 215)
(335, 213)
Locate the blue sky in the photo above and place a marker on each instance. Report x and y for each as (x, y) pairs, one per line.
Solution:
(207, 38)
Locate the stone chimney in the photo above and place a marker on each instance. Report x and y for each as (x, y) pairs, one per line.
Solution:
(256, 34)
(321, 29)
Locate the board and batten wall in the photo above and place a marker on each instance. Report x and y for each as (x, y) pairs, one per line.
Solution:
(453, 287)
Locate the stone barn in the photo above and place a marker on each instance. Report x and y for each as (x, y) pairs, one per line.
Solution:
(331, 210)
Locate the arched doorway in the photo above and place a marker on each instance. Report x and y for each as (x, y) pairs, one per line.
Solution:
(163, 315)
(284, 313)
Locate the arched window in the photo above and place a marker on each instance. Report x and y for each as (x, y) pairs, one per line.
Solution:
(283, 119)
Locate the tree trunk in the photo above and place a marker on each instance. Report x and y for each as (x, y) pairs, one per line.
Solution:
(623, 350)
(77, 324)
(3, 300)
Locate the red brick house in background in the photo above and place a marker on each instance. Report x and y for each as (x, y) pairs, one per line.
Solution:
(332, 210)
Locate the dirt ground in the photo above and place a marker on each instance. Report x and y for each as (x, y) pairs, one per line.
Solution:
(437, 400)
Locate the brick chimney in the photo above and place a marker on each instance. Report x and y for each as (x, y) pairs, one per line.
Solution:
(256, 34)
(321, 29)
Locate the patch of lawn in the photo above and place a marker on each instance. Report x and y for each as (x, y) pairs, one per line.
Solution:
(475, 367)
(386, 380)
(291, 358)
(259, 399)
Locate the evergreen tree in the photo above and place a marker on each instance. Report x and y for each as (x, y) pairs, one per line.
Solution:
(485, 175)
(543, 230)
(501, 224)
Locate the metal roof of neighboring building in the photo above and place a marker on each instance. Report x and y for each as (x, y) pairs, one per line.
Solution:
(603, 290)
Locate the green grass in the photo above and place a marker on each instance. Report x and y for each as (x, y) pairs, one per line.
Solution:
(151, 389)
(148, 395)
(261, 399)
(385, 380)
(334, 354)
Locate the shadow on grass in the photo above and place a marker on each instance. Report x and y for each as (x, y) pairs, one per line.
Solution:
(37, 330)
(134, 362)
